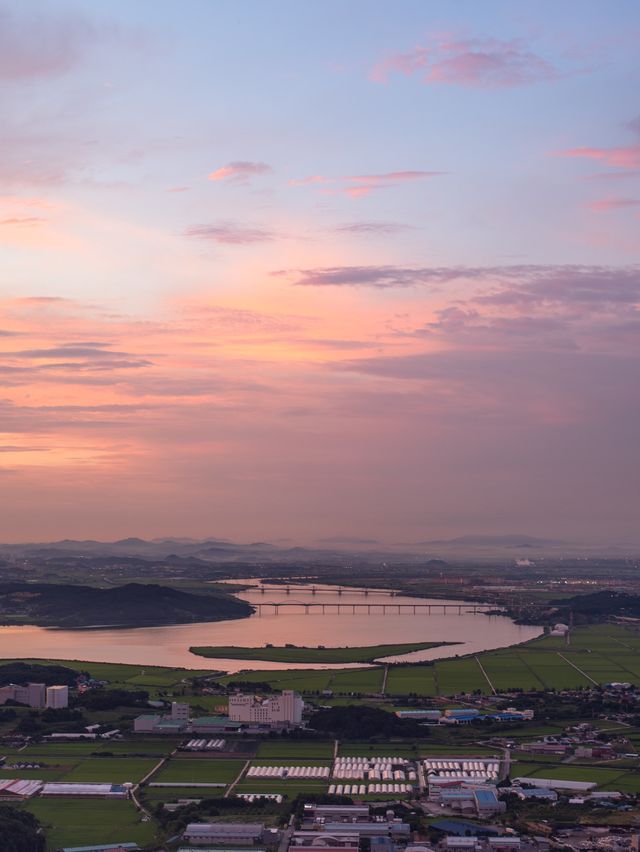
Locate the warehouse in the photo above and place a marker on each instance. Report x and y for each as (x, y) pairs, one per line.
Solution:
(102, 847)
(336, 813)
(556, 784)
(243, 834)
(86, 790)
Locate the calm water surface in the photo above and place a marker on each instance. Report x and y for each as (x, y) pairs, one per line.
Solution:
(169, 646)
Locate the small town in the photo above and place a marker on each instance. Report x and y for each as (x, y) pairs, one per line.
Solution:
(279, 770)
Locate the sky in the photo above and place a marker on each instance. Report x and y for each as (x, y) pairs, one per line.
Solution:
(282, 270)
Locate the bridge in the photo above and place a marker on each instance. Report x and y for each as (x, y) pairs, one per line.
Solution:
(378, 608)
(313, 590)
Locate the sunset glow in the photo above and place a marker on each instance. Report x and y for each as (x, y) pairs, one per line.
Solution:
(385, 284)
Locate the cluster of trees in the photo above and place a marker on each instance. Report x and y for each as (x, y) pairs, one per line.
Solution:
(23, 673)
(597, 606)
(250, 686)
(109, 699)
(362, 722)
(19, 831)
(35, 723)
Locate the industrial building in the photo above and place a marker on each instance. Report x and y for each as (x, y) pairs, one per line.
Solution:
(556, 784)
(86, 790)
(213, 725)
(335, 813)
(350, 834)
(155, 723)
(310, 841)
(243, 834)
(481, 801)
(284, 710)
(103, 847)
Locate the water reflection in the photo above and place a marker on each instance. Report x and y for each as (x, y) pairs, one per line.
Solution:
(169, 646)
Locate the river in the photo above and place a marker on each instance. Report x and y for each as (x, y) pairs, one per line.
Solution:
(169, 645)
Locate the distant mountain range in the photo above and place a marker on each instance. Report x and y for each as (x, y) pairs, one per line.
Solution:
(328, 550)
(493, 541)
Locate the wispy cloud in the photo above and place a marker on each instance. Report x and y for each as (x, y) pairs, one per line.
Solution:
(476, 62)
(36, 45)
(230, 233)
(589, 277)
(602, 205)
(356, 186)
(29, 221)
(371, 228)
(623, 157)
(239, 171)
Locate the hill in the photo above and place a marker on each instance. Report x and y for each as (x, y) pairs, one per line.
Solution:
(130, 605)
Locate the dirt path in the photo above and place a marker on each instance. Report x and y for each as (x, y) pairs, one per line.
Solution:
(231, 787)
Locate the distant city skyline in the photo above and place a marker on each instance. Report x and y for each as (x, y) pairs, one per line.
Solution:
(297, 271)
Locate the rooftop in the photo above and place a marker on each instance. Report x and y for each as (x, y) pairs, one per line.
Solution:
(216, 721)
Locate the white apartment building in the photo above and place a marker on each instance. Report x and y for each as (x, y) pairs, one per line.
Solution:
(33, 694)
(277, 710)
(57, 697)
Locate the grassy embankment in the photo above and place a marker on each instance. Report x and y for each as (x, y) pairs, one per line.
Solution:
(291, 654)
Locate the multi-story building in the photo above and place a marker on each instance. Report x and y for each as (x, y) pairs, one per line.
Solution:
(275, 711)
(57, 697)
(33, 694)
(180, 710)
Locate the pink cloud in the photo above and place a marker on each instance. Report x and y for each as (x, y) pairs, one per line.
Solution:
(25, 220)
(239, 171)
(356, 186)
(625, 157)
(309, 180)
(230, 233)
(37, 46)
(485, 63)
(602, 205)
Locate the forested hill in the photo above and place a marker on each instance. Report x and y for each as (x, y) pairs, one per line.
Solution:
(131, 605)
(599, 606)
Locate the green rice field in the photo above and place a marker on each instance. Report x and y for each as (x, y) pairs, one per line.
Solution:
(73, 822)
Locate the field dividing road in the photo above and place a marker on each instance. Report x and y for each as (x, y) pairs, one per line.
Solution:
(486, 676)
(231, 786)
(573, 665)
